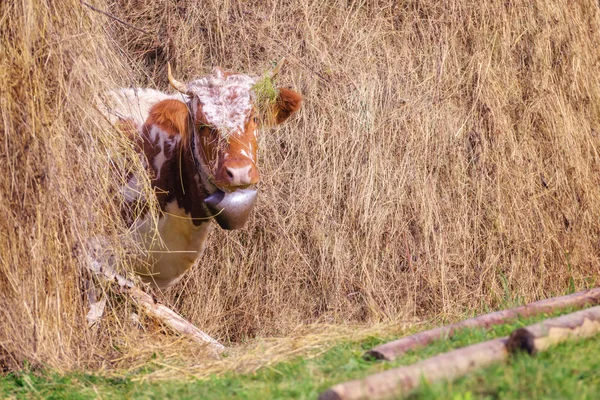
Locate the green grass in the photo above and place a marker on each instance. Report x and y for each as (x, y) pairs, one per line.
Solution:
(567, 371)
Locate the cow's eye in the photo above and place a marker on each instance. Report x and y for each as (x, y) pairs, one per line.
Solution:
(255, 120)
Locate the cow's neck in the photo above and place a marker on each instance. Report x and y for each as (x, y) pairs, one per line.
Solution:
(179, 180)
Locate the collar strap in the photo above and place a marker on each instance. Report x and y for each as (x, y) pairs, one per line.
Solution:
(193, 136)
(193, 149)
(197, 165)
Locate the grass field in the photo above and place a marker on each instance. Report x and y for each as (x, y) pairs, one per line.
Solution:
(567, 371)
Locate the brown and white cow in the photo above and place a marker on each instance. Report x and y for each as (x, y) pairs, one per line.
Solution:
(200, 149)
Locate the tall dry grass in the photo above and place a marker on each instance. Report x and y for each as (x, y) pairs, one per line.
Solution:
(445, 161)
(59, 186)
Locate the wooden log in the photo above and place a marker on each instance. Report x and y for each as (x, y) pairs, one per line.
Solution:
(392, 350)
(97, 304)
(159, 311)
(400, 381)
(539, 337)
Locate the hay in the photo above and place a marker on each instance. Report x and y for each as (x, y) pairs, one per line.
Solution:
(445, 162)
(265, 93)
(59, 184)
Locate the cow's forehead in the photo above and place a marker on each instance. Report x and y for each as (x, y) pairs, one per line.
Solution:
(226, 100)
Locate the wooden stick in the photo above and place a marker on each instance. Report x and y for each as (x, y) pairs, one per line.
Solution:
(96, 304)
(539, 337)
(392, 350)
(154, 309)
(400, 381)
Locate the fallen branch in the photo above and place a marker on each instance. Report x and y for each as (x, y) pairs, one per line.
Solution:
(400, 381)
(453, 364)
(146, 302)
(539, 337)
(392, 350)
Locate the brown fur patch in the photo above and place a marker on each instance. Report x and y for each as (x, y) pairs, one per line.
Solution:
(172, 117)
(288, 102)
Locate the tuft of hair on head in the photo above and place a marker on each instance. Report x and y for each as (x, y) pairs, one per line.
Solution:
(266, 94)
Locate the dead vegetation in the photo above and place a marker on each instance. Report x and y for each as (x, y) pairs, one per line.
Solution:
(445, 162)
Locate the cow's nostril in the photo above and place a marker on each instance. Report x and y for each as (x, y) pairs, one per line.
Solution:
(232, 175)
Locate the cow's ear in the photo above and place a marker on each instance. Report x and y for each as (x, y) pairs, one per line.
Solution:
(287, 103)
(171, 116)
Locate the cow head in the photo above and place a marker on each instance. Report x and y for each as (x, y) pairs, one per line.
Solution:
(224, 109)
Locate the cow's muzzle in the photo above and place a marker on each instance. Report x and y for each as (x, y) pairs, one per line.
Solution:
(231, 210)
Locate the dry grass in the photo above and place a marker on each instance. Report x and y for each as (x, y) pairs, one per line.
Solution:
(305, 341)
(445, 160)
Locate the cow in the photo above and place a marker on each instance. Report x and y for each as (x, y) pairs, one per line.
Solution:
(199, 147)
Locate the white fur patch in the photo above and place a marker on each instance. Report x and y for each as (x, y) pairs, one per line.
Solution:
(226, 101)
(159, 159)
(132, 190)
(136, 103)
(166, 144)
